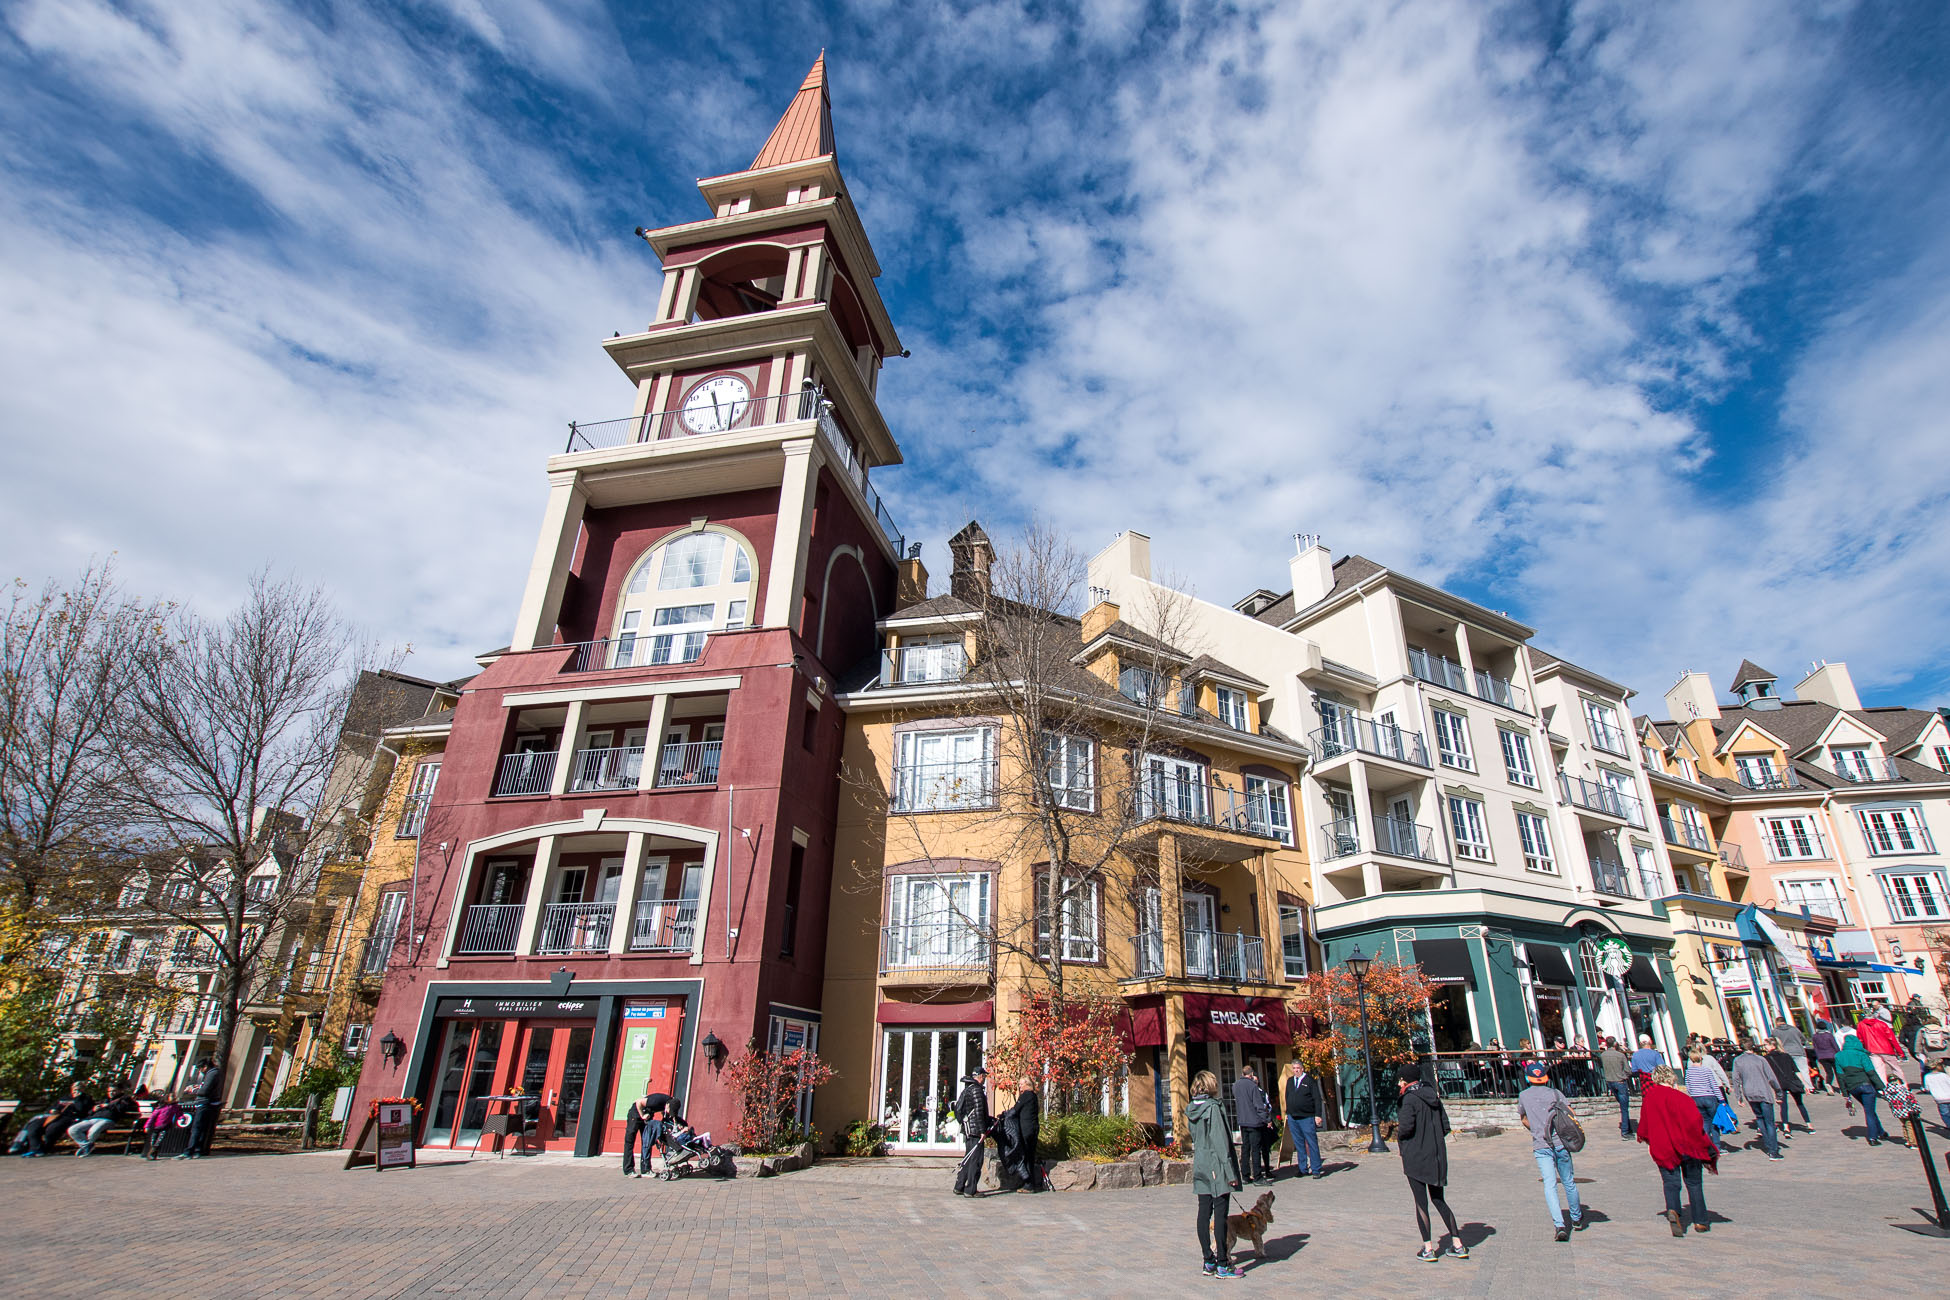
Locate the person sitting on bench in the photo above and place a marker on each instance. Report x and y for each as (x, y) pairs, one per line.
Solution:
(120, 1108)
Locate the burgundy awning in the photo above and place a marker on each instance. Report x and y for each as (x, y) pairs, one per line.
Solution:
(936, 1013)
(1219, 1018)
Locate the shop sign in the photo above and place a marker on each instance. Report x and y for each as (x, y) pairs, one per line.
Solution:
(514, 1007)
(395, 1136)
(645, 1009)
(1614, 957)
(1215, 1018)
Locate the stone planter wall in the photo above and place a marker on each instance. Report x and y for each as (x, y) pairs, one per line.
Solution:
(804, 1157)
(1140, 1169)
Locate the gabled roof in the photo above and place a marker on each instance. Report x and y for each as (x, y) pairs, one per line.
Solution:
(806, 130)
(1749, 671)
(1119, 630)
(1207, 666)
(1900, 727)
(1744, 723)
(1349, 571)
(934, 607)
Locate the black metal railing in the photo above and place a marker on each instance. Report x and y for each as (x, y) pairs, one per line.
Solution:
(1352, 732)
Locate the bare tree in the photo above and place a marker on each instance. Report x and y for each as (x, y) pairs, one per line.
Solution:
(66, 674)
(235, 730)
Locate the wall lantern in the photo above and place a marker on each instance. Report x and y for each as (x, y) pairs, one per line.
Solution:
(389, 1047)
(714, 1051)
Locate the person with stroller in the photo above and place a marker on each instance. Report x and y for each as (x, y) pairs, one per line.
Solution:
(972, 1113)
(645, 1120)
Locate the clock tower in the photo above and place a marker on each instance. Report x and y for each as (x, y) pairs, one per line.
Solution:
(635, 812)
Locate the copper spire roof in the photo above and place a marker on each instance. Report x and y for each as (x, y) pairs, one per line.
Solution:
(806, 130)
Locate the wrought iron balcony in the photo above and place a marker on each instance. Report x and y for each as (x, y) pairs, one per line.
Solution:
(1600, 797)
(490, 928)
(1211, 955)
(528, 772)
(1766, 778)
(1394, 836)
(1608, 737)
(693, 762)
(1432, 667)
(1733, 856)
(1206, 803)
(576, 927)
(664, 925)
(1609, 877)
(950, 949)
(1353, 732)
(921, 665)
(1865, 770)
(614, 768)
(1685, 834)
(650, 649)
(944, 787)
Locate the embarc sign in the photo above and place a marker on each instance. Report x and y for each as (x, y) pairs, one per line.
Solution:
(1215, 1018)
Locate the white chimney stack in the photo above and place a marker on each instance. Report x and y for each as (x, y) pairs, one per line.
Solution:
(1312, 569)
(1830, 684)
(1692, 697)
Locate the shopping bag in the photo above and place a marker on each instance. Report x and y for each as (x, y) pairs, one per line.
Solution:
(1724, 1120)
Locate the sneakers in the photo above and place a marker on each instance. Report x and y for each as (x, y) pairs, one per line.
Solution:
(1562, 1234)
(1584, 1221)
(1227, 1270)
(1209, 1268)
(1777, 1156)
(1457, 1251)
(1428, 1254)
(1702, 1226)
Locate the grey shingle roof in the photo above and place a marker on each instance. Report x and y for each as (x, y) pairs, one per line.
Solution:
(1207, 664)
(1899, 726)
(1749, 671)
(934, 607)
(1349, 571)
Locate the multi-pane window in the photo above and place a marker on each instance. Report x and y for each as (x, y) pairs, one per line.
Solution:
(1081, 939)
(713, 572)
(1687, 770)
(1267, 808)
(945, 770)
(385, 931)
(1293, 940)
(1452, 738)
(1894, 830)
(1174, 788)
(1788, 838)
(1943, 758)
(1606, 734)
(1471, 830)
(1917, 896)
(1757, 772)
(1535, 833)
(419, 792)
(1516, 757)
(1648, 867)
(1232, 708)
(934, 659)
(679, 635)
(1851, 762)
(1821, 897)
(1072, 766)
(1141, 685)
(937, 920)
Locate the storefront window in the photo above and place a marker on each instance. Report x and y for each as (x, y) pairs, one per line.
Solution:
(1449, 1018)
(480, 1083)
(1550, 1015)
(920, 1076)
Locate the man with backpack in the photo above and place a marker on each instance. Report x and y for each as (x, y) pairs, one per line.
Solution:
(1554, 1135)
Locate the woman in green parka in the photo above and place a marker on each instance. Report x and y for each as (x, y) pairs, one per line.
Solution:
(1215, 1171)
(1857, 1072)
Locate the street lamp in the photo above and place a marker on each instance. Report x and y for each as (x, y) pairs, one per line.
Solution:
(1358, 964)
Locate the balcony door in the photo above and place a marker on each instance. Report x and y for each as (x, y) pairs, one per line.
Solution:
(1201, 916)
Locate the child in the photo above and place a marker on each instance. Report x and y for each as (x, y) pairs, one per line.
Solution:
(160, 1119)
(1937, 1080)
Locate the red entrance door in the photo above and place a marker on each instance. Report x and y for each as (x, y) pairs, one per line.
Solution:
(552, 1064)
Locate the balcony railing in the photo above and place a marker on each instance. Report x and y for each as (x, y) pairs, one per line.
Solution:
(1609, 877)
(378, 953)
(850, 467)
(615, 768)
(1350, 732)
(490, 928)
(1600, 797)
(529, 772)
(1766, 778)
(1434, 668)
(413, 816)
(1206, 803)
(1685, 834)
(1610, 738)
(1209, 955)
(1733, 856)
(664, 925)
(1866, 770)
(650, 649)
(944, 787)
(694, 762)
(951, 948)
(576, 927)
(922, 664)
(1395, 836)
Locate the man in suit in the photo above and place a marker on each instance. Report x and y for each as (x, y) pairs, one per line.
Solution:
(1306, 1106)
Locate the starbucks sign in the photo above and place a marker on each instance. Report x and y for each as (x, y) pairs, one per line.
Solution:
(1614, 957)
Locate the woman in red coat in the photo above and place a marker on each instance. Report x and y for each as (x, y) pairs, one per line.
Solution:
(1670, 1124)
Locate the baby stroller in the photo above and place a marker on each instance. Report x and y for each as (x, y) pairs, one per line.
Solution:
(687, 1151)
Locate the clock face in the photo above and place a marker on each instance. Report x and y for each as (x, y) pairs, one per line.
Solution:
(716, 404)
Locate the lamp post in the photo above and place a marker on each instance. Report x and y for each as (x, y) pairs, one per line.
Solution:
(1358, 963)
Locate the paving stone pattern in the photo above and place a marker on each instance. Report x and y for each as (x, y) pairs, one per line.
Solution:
(299, 1225)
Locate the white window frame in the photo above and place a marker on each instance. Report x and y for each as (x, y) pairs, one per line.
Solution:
(1899, 887)
(1070, 765)
(1851, 762)
(1601, 724)
(669, 578)
(1819, 894)
(1297, 912)
(1894, 830)
(1082, 907)
(1231, 707)
(357, 1036)
(1760, 766)
(930, 659)
(1943, 758)
(1167, 778)
(964, 780)
(1456, 754)
(1269, 805)
(1647, 862)
(1468, 814)
(1780, 836)
(1146, 686)
(1517, 761)
(1535, 834)
(934, 926)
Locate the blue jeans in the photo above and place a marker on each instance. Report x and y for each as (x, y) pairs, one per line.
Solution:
(1555, 1165)
(1306, 1144)
(1867, 1096)
(1623, 1091)
(1770, 1142)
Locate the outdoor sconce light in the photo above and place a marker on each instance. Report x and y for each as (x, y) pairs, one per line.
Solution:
(713, 1051)
(1357, 964)
(389, 1047)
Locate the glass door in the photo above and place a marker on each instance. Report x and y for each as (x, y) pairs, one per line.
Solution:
(921, 1072)
(1201, 938)
(468, 1071)
(554, 1069)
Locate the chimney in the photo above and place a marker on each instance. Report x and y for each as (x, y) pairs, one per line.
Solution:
(1830, 684)
(972, 555)
(910, 579)
(1128, 556)
(1098, 617)
(1312, 569)
(1691, 697)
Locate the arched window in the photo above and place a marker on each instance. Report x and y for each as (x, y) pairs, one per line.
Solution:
(688, 585)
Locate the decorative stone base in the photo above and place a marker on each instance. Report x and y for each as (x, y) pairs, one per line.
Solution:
(803, 1157)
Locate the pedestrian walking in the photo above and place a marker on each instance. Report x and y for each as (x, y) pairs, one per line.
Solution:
(1618, 1082)
(1879, 1040)
(1902, 1106)
(1682, 1148)
(1705, 1085)
(1936, 1081)
(1754, 1083)
(1021, 1130)
(1646, 1059)
(1787, 1069)
(1421, 1135)
(1254, 1112)
(1546, 1111)
(1856, 1070)
(972, 1113)
(1215, 1172)
(1788, 1034)
(1826, 1047)
(1306, 1106)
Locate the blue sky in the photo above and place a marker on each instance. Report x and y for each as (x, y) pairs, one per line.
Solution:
(1628, 319)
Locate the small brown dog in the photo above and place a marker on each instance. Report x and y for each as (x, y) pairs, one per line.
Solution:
(1251, 1226)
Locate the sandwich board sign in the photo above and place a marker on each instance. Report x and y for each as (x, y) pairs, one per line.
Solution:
(386, 1140)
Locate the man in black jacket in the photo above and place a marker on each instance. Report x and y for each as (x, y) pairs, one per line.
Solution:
(972, 1113)
(645, 1119)
(1253, 1112)
(1306, 1106)
(207, 1100)
(43, 1131)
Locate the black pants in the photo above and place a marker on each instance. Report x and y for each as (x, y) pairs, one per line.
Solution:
(203, 1128)
(1254, 1142)
(1424, 1193)
(1799, 1100)
(969, 1177)
(1689, 1170)
(1212, 1224)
